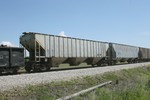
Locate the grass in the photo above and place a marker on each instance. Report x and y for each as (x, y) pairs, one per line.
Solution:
(133, 84)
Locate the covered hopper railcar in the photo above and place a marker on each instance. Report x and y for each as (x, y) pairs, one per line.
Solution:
(122, 53)
(51, 50)
(144, 54)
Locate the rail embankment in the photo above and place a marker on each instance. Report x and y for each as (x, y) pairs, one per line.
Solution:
(124, 82)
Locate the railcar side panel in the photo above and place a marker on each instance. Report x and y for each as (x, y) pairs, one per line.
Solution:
(57, 46)
(125, 51)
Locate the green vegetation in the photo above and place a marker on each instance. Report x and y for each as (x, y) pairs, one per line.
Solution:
(133, 84)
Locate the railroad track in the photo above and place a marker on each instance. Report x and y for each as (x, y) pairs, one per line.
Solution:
(15, 81)
(20, 72)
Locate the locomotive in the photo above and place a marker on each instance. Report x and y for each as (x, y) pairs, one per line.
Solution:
(46, 51)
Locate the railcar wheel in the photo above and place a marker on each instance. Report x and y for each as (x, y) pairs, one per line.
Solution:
(36, 67)
(48, 68)
(15, 71)
(1, 71)
(43, 68)
(93, 65)
(28, 67)
(99, 64)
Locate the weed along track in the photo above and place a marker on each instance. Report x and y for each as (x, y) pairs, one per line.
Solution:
(133, 84)
(63, 83)
(84, 91)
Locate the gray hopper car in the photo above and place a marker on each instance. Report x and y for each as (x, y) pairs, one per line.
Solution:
(11, 59)
(51, 50)
(122, 53)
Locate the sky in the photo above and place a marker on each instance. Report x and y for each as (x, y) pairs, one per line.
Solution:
(119, 21)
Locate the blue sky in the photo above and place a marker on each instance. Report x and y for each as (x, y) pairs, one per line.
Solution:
(119, 21)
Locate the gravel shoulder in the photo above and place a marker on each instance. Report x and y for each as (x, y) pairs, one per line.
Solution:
(21, 81)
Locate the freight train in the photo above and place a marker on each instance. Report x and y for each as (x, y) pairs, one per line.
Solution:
(46, 51)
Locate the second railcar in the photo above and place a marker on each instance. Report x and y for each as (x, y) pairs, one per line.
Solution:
(50, 50)
(122, 53)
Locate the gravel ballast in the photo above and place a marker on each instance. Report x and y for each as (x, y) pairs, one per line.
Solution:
(23, 80)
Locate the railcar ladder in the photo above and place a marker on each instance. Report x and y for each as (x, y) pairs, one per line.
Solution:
(37, 52)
